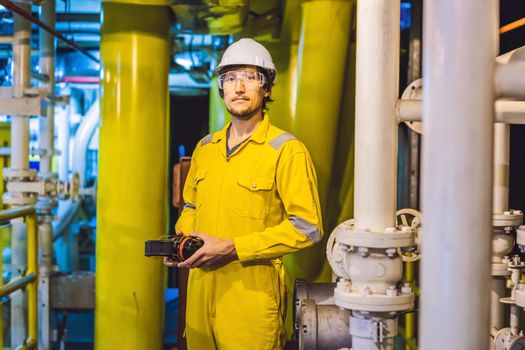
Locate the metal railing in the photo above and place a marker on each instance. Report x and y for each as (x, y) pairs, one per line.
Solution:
(29, 278)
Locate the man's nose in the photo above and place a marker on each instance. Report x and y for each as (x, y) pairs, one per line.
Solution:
(239, 85)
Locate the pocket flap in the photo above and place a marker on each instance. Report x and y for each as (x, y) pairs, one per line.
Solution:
(256, 183)
(200, 174)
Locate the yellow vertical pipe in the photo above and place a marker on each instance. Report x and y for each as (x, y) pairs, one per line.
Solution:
(410, 318)
(323, 47)
(32, 268)
(131, 201)
(322, 57)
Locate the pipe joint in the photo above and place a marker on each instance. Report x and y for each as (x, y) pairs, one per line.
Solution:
(505, 340)
(375, 329)
(51, 187)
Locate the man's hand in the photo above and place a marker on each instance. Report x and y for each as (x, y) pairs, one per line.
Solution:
(214, 252)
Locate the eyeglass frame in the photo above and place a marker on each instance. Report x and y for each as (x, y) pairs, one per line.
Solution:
(261, 80)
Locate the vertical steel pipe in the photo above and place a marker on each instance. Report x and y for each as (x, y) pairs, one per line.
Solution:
(458, 114)
(500, 193)
(46, 136)
(500, 204)
(21, 75)
(46, 141)
(131, 201)
(377, 79)
(19, 161)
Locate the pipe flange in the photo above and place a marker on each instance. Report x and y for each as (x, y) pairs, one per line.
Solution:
(391, 237)
(414, 91)
(520, 236)
(19, 174)
(353, 300)
(16, 199)
(373, 328)
(46, 203)
(505, 340)
(511, 218)
(336, 253)
(500, 269)
(519, 298)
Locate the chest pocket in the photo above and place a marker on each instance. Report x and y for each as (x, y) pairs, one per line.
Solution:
(255, 193)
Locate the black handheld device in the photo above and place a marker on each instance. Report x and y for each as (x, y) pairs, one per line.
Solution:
(178, 248)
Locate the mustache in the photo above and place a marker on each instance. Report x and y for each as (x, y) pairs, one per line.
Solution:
(245, 98)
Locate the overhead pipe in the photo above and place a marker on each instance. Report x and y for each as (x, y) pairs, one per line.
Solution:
(507, 111)
(460, 48)
(22, 12)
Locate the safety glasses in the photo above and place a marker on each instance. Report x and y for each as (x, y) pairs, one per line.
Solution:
(250, 80)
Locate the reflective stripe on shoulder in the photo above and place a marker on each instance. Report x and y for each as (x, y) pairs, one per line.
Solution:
(312, 232)
(278, 141)
(207, 139)
(189, 206)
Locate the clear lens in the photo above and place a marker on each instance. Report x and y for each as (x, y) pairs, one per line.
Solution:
(249, 79)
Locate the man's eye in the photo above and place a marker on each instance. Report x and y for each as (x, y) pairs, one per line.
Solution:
(229, 78)
(251, 77)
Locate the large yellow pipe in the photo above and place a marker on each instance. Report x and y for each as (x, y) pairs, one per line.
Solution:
(132, 203)
(323, 46)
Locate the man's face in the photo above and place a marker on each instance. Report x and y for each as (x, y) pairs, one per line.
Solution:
(243, 91)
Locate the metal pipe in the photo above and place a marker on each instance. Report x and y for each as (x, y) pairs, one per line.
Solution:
(21, 75)
(510, 80)
(507, 112)
(460, 41)
(514, 319)
(497, 291)
(22, 11)
(20, 161)
(377, 75)
(46, 136)
(16, 284)
(63, 136)
(14, 213)
(500, 195)
(133, 142)
(82, 138)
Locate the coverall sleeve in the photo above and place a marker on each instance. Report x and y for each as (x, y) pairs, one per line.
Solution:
(302, 227)
(186, 222)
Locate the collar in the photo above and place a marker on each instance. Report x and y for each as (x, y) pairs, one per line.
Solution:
(258, 136)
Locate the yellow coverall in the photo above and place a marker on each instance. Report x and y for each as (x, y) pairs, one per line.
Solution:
(264, 197)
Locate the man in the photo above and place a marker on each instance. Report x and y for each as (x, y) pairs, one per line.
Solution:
(251, 195)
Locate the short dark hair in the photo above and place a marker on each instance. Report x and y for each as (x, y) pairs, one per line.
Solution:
(269, 77)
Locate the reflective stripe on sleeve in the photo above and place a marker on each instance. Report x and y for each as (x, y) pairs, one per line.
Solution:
(207, 139)
(189, 206)
(278, 141)
(312, 232)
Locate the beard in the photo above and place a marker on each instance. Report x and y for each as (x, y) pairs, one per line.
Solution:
(244, 113)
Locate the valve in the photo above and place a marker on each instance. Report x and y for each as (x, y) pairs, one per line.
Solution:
(411, 219)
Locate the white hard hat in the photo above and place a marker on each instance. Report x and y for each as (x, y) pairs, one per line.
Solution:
(248, 51)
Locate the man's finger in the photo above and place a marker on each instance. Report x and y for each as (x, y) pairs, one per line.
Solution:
(199, 235)
(189, 262)
(170, 263)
